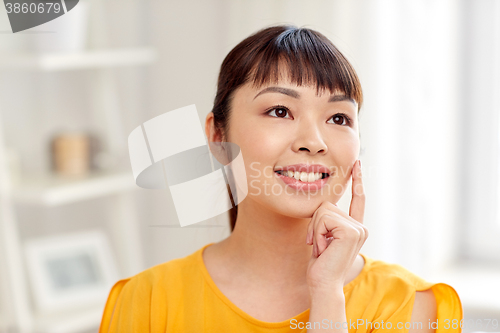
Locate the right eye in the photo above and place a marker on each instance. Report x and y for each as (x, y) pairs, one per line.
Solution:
(278, 112)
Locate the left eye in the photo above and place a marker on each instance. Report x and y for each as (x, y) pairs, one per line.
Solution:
(340, 119)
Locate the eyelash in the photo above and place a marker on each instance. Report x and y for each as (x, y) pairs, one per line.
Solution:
(346, 117)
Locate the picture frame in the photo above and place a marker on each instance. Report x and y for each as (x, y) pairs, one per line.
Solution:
(70, 270)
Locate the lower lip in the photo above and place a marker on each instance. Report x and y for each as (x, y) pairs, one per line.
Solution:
(303, 186)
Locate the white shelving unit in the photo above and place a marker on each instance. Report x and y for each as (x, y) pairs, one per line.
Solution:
(74, 61)
(51, 191)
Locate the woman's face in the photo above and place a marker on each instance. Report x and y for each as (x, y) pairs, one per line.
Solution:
(280, 125)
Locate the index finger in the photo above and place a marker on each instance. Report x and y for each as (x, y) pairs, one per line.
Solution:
(357, 208)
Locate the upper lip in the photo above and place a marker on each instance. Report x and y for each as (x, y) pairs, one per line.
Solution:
(305, 168)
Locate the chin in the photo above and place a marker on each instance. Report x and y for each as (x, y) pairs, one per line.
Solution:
(300, 209)
(299, 213)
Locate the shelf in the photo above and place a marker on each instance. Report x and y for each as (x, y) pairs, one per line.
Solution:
(78, 60)
(54, 190)
(71, 322)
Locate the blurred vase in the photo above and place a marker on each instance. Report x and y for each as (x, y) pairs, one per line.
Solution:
(71, 154)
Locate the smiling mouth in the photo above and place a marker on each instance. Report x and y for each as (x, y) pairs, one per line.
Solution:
(307, 177)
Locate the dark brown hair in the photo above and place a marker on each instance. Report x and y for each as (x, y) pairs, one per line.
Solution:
(307, 56)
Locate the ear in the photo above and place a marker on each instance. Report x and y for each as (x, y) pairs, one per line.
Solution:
(213, 135)
(215, 140)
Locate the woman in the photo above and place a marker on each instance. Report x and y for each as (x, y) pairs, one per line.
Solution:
(290, 100)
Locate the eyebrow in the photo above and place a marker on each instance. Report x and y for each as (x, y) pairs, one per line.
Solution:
(295, 94)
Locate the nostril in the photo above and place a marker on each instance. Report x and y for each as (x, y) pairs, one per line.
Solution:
(303, 148)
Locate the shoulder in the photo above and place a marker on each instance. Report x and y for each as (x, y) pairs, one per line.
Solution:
(396, 289)
(396, 277)
(132, 300)
(385, 276)
(168, 277)
(168, 272)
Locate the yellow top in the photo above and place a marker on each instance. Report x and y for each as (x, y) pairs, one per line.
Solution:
(180, 296)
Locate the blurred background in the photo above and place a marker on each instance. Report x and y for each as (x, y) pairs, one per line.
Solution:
(72, 220)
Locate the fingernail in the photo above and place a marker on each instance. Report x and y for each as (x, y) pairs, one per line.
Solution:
(359, 162)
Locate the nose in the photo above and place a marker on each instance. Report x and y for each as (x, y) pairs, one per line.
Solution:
(309, 139)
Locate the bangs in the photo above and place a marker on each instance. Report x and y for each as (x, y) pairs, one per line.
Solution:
(306, 58)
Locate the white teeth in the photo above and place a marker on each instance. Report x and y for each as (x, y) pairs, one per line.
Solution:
(311, 177)
(303, 176)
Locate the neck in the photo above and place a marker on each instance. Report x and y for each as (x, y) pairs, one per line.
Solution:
(268, 246)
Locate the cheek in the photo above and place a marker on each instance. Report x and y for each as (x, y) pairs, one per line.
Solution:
(345, 153)
(259, 157)
(258, 143)
(260, 148)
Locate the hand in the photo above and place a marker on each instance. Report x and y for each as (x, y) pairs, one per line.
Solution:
(336, 238)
